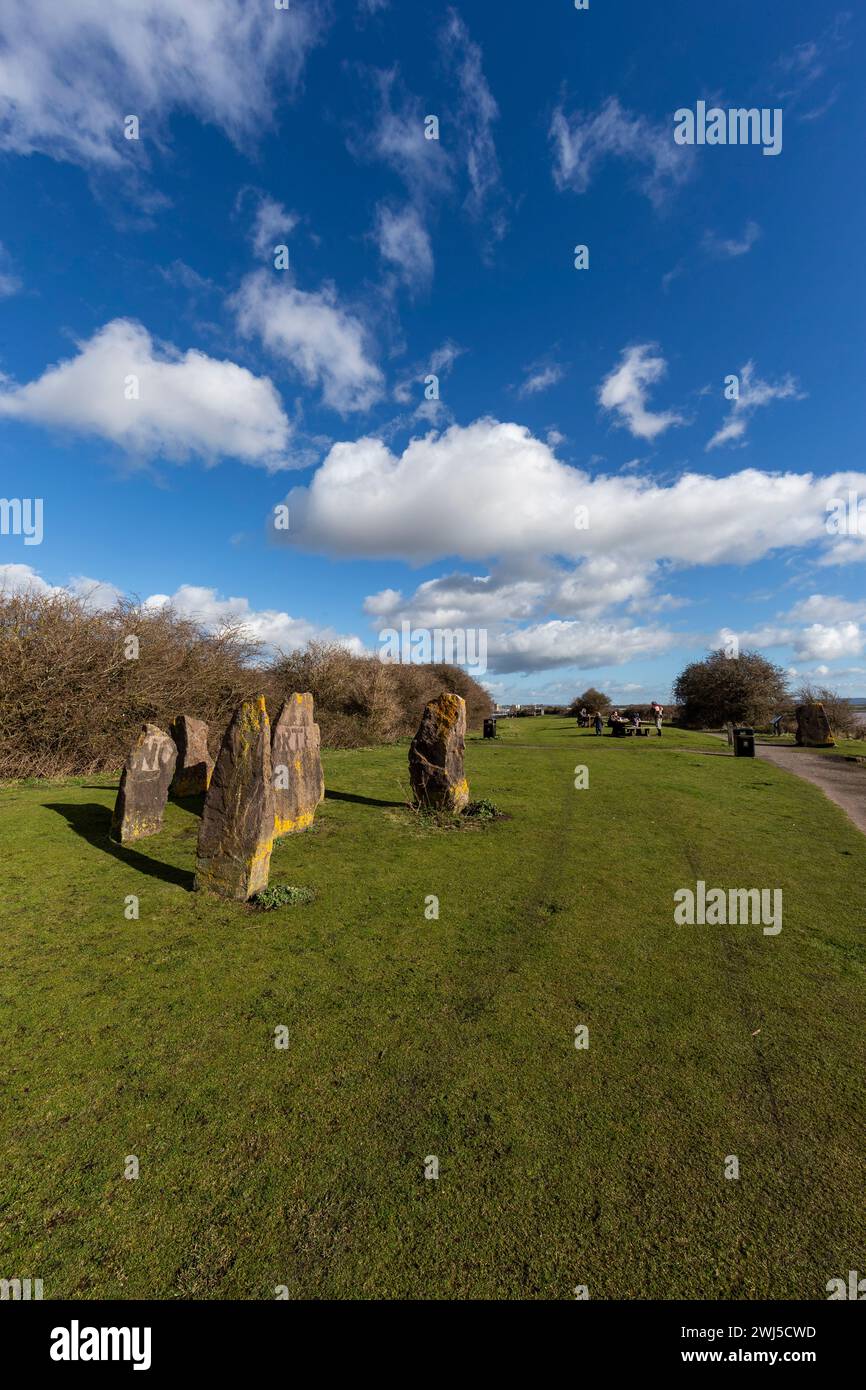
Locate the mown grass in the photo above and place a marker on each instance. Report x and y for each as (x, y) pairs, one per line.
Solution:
(844, 747)
(410, 1036)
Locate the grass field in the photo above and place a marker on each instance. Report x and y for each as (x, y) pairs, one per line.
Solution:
(410, 1037)
(844, 747)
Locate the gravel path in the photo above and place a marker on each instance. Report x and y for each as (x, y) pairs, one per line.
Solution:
(841, 781)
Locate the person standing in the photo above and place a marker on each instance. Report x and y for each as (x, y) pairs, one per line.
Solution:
(599, 723)
(659, 713)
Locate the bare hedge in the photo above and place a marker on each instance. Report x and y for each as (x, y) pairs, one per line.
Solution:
(72, 700)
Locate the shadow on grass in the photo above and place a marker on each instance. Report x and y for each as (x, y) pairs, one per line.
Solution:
(92, 822)
(360, 800)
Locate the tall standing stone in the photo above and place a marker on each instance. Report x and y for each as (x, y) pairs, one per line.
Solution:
(237, 826)
(296, 765)
(144, 785)
(194, 763)
(813, 727)
(436, 755)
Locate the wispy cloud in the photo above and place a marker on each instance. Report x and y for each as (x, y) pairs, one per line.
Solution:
(476, 115)
(540, 376)
(732, 246)
(10, 282)
(70, 72)
(582, 142)
(753, 393)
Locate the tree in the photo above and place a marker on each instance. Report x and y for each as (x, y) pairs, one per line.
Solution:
(747, 689)
(591, 700)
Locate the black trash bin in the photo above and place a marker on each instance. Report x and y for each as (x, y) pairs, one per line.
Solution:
(744, 743)
(490, 728)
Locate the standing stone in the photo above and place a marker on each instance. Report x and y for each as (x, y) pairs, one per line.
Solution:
(144, 784)
(436, 755)
(813, 727)
(296, 764)
(194, 763)
(237, 826)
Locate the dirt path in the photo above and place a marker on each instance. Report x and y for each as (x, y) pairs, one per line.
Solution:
(841, 781)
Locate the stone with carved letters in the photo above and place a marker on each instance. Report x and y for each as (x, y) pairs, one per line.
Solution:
(194, 767)
(236, 834)
(144, 785)
(436, 755)
(296, 764)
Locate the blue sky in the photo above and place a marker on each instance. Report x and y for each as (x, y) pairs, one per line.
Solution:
(153, 258)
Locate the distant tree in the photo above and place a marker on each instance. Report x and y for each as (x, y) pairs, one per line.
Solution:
(843, 720)
(747, 689)
(591, 700)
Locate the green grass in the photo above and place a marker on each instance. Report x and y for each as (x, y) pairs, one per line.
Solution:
(410, 1036)
(844, 748)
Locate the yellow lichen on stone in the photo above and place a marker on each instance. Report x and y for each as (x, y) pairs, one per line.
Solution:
(288, 827)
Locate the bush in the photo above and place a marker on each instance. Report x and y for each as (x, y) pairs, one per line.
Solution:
(72, 702)
(842, 717)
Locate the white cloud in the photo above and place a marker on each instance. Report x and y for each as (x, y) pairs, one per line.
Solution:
(71, 72)
(458, 600)
(314, 334)
(404, 242)
(626, 387)
(753, 393)
(396, 137)
(821, 627)
(493, 490)
(272, 224)
(575, 643)
(583, 142)
(476, 114)
(188, 403)
(96, 594)
(271, 626)
(540, 376)
(10, 283)
(732, 246)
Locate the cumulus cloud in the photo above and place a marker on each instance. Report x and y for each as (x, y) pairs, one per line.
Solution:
(625, 390)
(753, 393)
(493, 490)
(458, 600)
(273, 627)
(320, 340)
(96, 594)
(582, 142)
(821, 627)
(70, 73)
(575, 643)
(187, 403)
